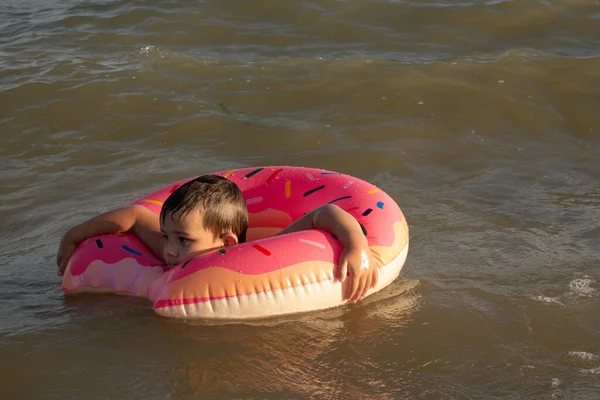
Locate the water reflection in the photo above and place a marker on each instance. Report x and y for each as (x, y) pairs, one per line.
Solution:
(333, 354)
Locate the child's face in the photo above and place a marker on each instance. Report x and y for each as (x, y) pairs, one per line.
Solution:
(185, 237)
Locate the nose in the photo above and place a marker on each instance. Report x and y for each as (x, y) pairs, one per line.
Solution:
(170, 251)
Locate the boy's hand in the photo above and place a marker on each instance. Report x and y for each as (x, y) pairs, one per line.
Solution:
(363, 271)
(65, 251)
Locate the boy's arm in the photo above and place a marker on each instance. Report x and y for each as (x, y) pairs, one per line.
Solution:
(356, 258)
(140, 221)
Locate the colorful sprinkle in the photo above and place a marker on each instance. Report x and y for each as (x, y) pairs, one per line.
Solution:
(340, 198)
(373, 191)
(185, 264)
(311, 191)
(312, 243)
(222, 251)
(312, 178)
(99, 243)
(174, 188)
(262, 249)
(132, 251)
(348, 184)
(288, 189)
(352, 209)
(367, 212)
(380, 204)
(273, 175)
(228, 173)
(157, 202)
(329, 173)
(256, 171)
(254, 200)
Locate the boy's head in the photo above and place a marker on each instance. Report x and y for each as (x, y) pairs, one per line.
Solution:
(203, 214)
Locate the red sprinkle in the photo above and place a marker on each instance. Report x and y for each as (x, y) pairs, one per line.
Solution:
(174, 188)
(352, 209)
(273, 175)
(262, 249)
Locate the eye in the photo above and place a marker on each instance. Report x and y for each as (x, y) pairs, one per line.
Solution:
(184, 241)
(164, 237)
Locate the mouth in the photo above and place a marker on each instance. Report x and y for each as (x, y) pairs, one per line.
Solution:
(171, 262)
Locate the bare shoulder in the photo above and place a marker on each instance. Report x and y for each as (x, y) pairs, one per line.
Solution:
(147, 229)
(145, 219)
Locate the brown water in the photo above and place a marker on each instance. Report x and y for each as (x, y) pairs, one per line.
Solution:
(481, 118)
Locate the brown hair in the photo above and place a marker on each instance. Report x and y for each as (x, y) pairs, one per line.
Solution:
(220, 201)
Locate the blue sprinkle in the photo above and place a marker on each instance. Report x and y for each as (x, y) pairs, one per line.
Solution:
(380, 204)
(99, 243)
(132, 251)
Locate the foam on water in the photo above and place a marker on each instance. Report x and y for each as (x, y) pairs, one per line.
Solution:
(583, 355)
(578, 288)
(582, 287)
(591, 371)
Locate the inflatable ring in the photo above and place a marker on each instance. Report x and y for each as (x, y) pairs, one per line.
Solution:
(265, 276)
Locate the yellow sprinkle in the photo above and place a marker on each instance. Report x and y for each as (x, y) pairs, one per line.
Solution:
(373, 191)
(228, 173)
(157, 202)
(288, 189)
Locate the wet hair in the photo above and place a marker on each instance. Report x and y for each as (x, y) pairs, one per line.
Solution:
(220, 201)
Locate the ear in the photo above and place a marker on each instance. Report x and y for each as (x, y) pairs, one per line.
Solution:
(229, 239)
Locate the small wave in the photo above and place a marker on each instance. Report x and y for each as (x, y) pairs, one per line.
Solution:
(155, 53)
(146, 50)
(582, 287)
(555, 383)
(585, 359)
(590, 371)
(577, 288)
(546, 299)
(583, 355)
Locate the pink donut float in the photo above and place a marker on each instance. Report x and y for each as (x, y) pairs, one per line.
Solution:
(266, 276)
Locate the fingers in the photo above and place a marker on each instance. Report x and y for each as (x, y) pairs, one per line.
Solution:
(61, 268)
(353, 288)
(361, 280)
(59, 263)
(343, 269)
(372, 282)
(365, 282)
(375, 280)
(367, 286)
(60, 252)
(64, 260)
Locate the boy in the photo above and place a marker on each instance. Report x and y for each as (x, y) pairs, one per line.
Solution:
(210, 212)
